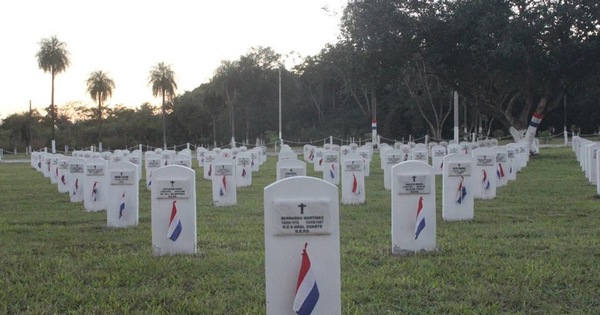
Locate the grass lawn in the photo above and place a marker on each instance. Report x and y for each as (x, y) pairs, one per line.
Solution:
(535, 249)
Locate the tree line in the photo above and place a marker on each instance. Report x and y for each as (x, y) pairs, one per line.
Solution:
(395, 62)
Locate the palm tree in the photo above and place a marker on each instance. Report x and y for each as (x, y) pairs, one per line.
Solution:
(100, 87)
(53, 57)
(162, 79)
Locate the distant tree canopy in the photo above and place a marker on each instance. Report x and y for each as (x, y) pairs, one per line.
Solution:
(396, 62)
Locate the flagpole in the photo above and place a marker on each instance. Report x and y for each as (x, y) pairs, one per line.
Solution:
(280, 136)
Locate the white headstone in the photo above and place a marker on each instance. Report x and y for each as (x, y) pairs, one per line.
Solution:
(63, 174)
(318, 160)
(484, 173)
(420, 153)
(290, 168)
(331, 167)
(458, 188)
(153, 162)
(95, 184)
(123, 195)
(174, 211)
(135, 157)
(224, 183)
(502, 165)
(54, 168)
(392, 157)
(75, 179)
(353, 179)
(437, 158)
(511, 162)
(413, 207)
(366, 156)
(406, 151)
(453, 148)
(209, 158)
(301, 224)
(243, 169)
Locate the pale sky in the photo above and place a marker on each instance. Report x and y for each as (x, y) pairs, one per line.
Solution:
(127, 38)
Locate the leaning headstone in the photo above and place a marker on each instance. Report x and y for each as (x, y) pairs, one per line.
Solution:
(457, 188)
(174, 211)
(75, 179)
(413, 207)
(331, 167)
(484, 173)
(243, 169)
(353, 179)
(123, 195)
(224, 183)
(302, 247)
(95, 184)
(437, 158)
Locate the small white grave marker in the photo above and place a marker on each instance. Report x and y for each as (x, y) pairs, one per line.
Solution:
(301, 230)
(224, 183)
(392, 157)
(63, 174)
(95, 192)
(484, 173)
(457, 188)
(331, 167)
(243, 169)
(413, 207)
(153, 162)
(75, 179)
(290, 168)
(353, 179)
(437, 158)
(123, 195)
(174, 211)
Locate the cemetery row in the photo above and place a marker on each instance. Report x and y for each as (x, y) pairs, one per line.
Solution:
(587, 152)
(301, 214)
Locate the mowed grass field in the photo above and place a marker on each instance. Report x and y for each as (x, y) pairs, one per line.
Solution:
(535, 249)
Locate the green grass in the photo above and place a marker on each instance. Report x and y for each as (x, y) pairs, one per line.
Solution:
(533, 250)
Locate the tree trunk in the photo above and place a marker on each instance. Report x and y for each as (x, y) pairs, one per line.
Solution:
(53, 114)
(164, 127)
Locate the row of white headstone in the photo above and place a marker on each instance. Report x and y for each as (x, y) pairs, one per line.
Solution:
(109, 181)
(587, 152)
(301, 215)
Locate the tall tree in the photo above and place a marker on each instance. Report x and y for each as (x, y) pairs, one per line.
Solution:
(53, 57)
(100, 87)
(162, 80)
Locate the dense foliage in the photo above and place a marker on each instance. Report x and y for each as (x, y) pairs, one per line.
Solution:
(396, 62)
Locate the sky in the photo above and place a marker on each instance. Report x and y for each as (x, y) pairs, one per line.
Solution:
(127, 38)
